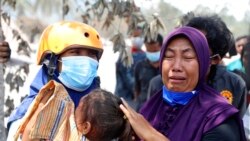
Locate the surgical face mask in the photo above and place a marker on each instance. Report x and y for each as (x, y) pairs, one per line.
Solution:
(137, 42)
(153, 56)
(78, 72)
(177, 98)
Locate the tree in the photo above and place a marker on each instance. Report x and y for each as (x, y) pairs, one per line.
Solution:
(2, 128)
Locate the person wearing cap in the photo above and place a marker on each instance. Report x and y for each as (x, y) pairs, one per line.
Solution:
(69, 53)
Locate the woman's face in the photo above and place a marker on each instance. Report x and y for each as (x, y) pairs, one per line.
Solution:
(180, 68)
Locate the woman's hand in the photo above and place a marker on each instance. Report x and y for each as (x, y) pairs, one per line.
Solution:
(141, 126)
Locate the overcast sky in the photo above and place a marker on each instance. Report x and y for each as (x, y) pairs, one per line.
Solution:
(235, 7)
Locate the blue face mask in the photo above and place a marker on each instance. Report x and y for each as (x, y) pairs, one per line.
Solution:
(177, 98)
(78, 72)
(153, 56)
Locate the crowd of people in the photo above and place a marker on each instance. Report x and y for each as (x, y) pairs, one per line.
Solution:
(182, 87)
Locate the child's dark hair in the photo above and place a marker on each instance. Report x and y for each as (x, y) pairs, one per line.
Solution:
(101, 109)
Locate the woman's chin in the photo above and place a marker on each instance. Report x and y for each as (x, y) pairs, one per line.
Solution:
(176, 89)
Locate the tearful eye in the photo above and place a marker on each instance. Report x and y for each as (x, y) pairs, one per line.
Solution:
(191, 57)
(169, 54)
(169, 57)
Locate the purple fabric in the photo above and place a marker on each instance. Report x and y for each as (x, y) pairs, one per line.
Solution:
(204, 111)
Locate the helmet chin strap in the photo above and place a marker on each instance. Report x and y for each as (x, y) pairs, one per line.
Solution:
(51, 66)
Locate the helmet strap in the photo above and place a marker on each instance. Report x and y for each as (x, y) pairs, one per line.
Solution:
(51, 66)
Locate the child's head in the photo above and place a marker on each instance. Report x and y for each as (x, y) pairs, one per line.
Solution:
(99, 117)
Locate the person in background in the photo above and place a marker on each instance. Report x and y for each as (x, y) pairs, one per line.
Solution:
(240, 42)
(5, 52)
(124, 74)
(69, 53)
(187, 108)
(245, 74)
(245, 59)
(220, 39)
(146, 69)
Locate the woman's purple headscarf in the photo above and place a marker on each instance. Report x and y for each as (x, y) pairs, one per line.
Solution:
(200, 46)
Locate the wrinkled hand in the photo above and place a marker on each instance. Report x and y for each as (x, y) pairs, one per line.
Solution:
(4, 52)
(141, 126)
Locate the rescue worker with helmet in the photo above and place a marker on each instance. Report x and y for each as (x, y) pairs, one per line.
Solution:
(69, 53)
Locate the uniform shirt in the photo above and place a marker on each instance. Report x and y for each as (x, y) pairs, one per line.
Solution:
(232, 87)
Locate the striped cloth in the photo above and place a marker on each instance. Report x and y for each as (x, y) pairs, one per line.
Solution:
(53, 114)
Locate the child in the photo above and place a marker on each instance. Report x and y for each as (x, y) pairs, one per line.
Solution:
(99, 117)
